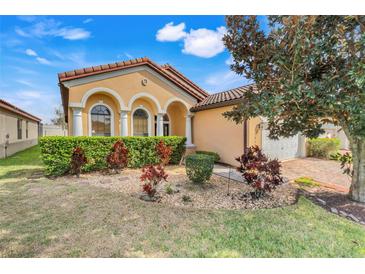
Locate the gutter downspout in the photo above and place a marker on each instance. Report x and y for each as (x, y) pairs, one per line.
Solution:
(245, 136)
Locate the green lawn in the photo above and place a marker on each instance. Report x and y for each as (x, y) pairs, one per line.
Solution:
(47, 218)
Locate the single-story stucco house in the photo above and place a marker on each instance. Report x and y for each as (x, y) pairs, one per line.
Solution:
(18, 129)
(141, 98)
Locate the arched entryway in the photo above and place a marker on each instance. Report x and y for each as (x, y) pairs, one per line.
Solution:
(166, 125)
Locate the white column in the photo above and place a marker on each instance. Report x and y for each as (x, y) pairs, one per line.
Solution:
(188, 129)
(77, 121)
(159, 124)
(124, 123)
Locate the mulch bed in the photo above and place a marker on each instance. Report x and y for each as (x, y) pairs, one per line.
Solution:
(213, 195)
(336, 202)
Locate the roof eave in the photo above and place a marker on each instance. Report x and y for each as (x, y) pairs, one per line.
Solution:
(217, 105)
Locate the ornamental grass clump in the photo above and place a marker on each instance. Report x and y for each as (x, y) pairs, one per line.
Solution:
(199, 167)
(78, 160)
(117, 159)
(152, 175)
(259, 172)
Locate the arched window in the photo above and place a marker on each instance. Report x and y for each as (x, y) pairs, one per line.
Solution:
(140, 123)
(100, 121)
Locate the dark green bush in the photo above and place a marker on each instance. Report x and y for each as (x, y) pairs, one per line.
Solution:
(56, 151)
(199, 167)
(210, 153)
(322, 147)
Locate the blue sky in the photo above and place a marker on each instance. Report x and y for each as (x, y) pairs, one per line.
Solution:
(33, 49)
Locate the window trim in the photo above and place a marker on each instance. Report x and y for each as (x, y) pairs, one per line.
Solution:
(149, 120)
(111, 118)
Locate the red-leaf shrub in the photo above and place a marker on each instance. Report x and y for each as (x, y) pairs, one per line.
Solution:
(78, 159)
(259, 172)
(164, 152)
(152, 176)
(117, 159)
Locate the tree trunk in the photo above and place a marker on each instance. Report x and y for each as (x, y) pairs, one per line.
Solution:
(357, 189)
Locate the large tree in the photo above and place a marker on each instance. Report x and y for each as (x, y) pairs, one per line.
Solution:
(309, 70)
(59, 117)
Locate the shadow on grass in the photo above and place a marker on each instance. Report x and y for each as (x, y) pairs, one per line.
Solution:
(29, 173)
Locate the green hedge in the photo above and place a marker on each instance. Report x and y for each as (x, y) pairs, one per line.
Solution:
(199, 167)
(56, 151)
(215, 155)
(322, 147)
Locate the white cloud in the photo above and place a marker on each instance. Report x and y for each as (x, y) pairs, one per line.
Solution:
(51, 27)
(171, 33)
(27, 18)
(73, 33)
(229, 61)
(25, 82)
(204, 42)
(88, 20)
(20, 32)
(29, 94)
(24, 70)
(124, 55)
(36, 102)
(224, 80)
(43, 61)
(30, 52)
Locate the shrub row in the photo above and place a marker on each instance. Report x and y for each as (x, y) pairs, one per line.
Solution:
(322, 147)
(56, 151)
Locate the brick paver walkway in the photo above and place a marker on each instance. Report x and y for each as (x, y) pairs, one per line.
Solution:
(324, 171)
(327, 172)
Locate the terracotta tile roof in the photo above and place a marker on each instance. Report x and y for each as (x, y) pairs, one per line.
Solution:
(167, 71)
(6, 105)
(228, 97)
(170, 69)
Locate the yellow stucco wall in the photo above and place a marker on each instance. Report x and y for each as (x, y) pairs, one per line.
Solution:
(213, 132)
(254, 132)
(177, 115)
(127, 86)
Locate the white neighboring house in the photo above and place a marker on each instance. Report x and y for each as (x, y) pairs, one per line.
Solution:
(53, 130)
(18, 129)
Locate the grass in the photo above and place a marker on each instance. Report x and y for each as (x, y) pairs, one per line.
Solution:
(306, 181)
(58, 218)
(22, 163)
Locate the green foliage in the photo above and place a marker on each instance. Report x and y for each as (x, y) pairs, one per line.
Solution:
(322, 147)
(309, 70)
(56, 151)
(168, 189)
(306, 181)
(186, 199)
(199, 167)
(345, 160)
(211, 153)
